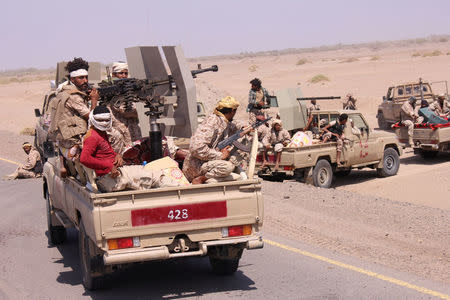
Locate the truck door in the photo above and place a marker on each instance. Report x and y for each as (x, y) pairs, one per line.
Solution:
(364, 144)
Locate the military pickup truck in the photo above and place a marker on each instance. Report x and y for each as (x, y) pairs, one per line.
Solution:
(217, 220)
(388, 112)
(428, 140)
(317, 162)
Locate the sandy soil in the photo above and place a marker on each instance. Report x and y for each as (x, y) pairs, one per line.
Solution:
(400, 221)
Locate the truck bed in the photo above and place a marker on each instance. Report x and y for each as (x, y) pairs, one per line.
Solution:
(427, 138)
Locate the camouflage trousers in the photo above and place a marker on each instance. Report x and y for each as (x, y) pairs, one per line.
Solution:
(217, 168)
(340, 142)
(410, 125)
(21, 173)
(131, 177)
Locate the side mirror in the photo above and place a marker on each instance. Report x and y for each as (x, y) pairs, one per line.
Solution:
(384, 99)
(37, 112)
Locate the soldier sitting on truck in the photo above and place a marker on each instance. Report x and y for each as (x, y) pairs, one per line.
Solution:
(440, 107)
(33, 166)
(257, 100)
(349, 102)
(69, 119)
(277, 139)
(98, 155)
(204, 160)
(410, 117)
(334, 131)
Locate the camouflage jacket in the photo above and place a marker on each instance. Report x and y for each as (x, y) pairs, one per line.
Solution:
(203, 144)
(276, 137)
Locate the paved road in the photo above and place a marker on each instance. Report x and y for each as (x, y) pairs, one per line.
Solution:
(30, 269)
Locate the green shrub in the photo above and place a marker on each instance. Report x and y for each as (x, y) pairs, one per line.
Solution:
(302, 61)
(319, 78)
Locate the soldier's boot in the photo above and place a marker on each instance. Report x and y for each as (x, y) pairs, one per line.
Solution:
(411, 142)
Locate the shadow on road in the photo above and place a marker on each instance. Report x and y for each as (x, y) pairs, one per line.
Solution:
(171, 279)
(418, 160)
(355, 177)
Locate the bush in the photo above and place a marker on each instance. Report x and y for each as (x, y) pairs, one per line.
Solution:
(415, 54)
(27, 131)
(302, 61)
(375, 58)
(434, 53)
(350, 60)
(319, 78)
(253, 68)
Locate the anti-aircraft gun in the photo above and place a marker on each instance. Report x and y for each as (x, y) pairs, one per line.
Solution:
(165, 103)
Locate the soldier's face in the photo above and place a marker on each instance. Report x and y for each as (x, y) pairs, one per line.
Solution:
(80, 82)
(121, 74)
(231, 115)
(277, 127)
(254, 87)
(27, 149)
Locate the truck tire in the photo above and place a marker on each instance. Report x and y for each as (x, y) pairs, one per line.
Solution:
(89, 264)
(56, 234)
(391, 163)
(322, 174)
(225, 266)
(382, 124)
(428, 154)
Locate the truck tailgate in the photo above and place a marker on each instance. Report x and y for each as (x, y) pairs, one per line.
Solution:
(199, 211)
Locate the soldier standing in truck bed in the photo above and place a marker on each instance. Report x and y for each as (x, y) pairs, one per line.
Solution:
(349, 102)
(204, 160)
(410, 117)
(257, 100)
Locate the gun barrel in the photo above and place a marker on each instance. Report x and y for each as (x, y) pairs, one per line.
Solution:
(319, 98)
(213, 68)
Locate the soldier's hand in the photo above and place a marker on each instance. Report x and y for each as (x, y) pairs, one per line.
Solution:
(114, 172)
(246, 130)
(118, 160)
(94, 96)
(226, 152)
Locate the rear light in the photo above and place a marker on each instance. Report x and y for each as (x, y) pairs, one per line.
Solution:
(288, 168)
(123, 243)
(237, 230)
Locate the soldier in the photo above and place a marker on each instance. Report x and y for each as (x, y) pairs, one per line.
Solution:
(263, 135)
(334, 131)
(33, 166)
(204, 160)
(410, 117)
(278, 138)
(98, 155)
(350, 102)
(312, 121)
(257, 100)
(125, 128)
(69, 120)
(441, 106)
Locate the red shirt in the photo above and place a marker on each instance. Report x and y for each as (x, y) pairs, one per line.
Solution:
(97, 152)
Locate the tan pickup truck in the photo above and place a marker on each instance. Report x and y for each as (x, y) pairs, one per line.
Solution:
(372, 149)
(429, 141)
(219, 220)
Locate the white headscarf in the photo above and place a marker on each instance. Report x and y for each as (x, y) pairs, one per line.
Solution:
(79, 72)
(119, 66)
(102, 122)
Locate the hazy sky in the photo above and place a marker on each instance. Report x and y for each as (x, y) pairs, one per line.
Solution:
(40, 33)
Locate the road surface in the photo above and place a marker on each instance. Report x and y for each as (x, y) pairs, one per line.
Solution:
(284, 269)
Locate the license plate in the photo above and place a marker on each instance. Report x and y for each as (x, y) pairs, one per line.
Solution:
(179, 213)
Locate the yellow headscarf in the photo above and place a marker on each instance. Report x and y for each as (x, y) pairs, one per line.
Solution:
(227, 102)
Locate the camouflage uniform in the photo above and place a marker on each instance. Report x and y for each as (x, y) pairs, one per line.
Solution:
(126, 121)
(277, 139)
(204, 158)
(440, 109)
(311, 108)
(263, 134)
(409, 118)
(31, 168)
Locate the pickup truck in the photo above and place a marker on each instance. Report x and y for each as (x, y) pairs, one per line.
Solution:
(317, 162)
(115, 229)
(429, 140)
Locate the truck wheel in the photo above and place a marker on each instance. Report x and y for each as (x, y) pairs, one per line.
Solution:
(225, 266)
(322, 174)
(428, 154)
(92, 268)
(382, 124)
(56, 234)
(391, 163)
